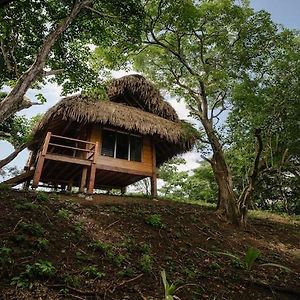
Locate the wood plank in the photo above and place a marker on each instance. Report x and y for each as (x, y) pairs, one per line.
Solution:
(72, 139)
(69, 147)
(68, 159)
(123, 170)
(41, 160)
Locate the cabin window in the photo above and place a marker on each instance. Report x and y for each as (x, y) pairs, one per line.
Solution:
(121, 145)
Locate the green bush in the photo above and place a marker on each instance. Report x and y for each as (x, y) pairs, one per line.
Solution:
(155, 221)
(146, 263)
(34, 229)
(93, 272)
(42, 196)
(4, 187)
(40, 269)
(42, 243)
(97, 245)
(27, 206)
(64, 214)
(5, 256)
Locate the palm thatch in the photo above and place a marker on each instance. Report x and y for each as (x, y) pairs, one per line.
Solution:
(139, 92)
(135, 105)
(83, 109)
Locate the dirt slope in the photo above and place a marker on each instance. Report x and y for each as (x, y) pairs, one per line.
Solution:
(53, 247)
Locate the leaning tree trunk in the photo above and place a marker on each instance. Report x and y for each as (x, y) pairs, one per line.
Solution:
(13, 155)
(227, 202)
(14, 101)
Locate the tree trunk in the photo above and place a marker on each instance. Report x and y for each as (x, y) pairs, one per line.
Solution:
(13, 102)
(14, 154)
(227, 202)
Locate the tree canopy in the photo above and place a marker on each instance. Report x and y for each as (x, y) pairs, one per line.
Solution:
(218, 56)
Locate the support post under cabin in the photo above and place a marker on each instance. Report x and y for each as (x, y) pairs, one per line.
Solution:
(93, 169)
(41, 160)
(154, 173)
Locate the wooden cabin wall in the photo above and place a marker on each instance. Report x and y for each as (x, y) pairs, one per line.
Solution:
(143, 167)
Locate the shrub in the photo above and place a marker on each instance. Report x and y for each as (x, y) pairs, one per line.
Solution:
(93, 272)
(146, 263)
(27, 206)
(155, 221)
(40, 269)
(34, 229)
(42, 243)
(42, 196)
(116, 259)
(64, 214)
(4, 187)
(97, 245)
(5, 257)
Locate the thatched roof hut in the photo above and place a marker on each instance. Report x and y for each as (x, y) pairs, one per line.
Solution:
(90, 143)
(135, 105)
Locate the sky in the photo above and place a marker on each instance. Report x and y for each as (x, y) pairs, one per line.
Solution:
(285, 12)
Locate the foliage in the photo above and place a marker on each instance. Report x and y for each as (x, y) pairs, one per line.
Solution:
(199, 184)
(42, 196)
(155, 221)
(42, 243)
(100, 246)
(93, 272)
(251, 255)
(40, 269)
(4, 187)
(104, 24)
(17, 129)
(146, 263)
(173, 178)
(27, 206)
(5, 256)
(64, 213)
(169, 289)
(212, 54)
(34, 228)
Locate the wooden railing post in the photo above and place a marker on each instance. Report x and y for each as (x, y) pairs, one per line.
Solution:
(93, 171)
(40, 162)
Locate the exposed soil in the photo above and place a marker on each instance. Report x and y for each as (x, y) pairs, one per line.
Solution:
(116, 247)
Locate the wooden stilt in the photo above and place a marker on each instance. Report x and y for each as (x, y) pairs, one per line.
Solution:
(154, 173)
(70, 185)
(92, 176)
(123, 190)
(83, 180)
(154, 186)
(40, 163)
(91, 183)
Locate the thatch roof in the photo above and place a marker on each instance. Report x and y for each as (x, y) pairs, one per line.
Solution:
(83, 109)
(134, 105)
(139, 92)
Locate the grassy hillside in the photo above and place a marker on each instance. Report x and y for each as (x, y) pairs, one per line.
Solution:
(62, 247)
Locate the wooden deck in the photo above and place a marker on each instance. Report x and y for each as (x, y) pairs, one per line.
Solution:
(69, 162)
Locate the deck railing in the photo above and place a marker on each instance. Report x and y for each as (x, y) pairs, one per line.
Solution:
(71, 147)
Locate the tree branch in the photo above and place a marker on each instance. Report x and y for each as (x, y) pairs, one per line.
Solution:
(53, 72)
(14, 154)
(11, 102)
(99, 12)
